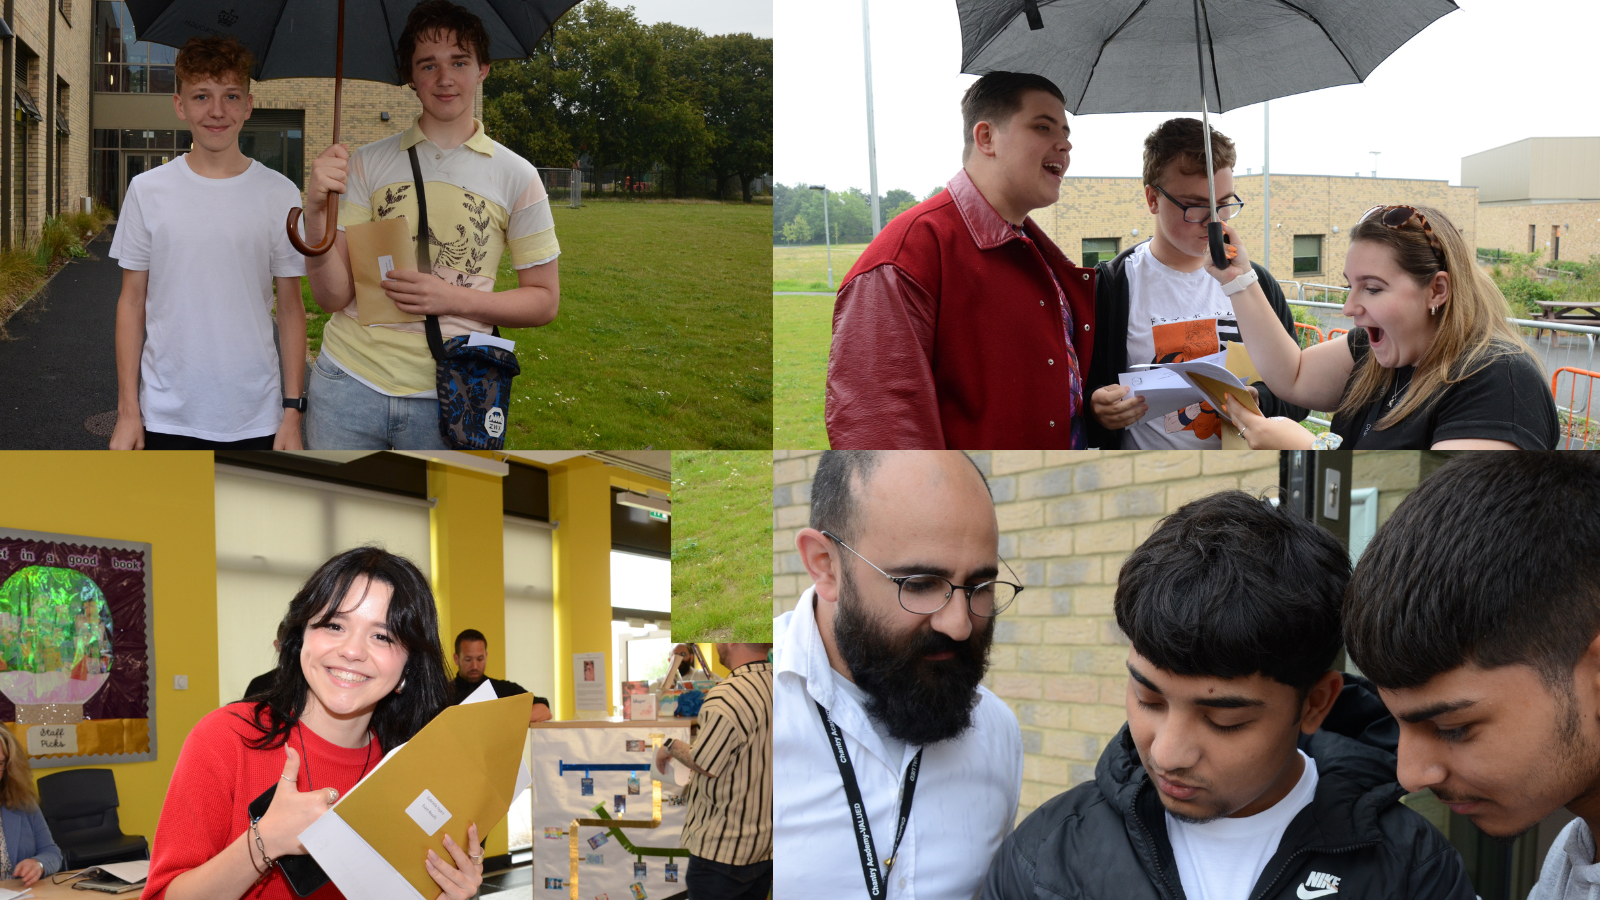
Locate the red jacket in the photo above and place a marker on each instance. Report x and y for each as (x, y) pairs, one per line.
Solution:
(948, 333)
(217, 776)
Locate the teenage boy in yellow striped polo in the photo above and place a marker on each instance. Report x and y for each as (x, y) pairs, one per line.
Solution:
(373, 387)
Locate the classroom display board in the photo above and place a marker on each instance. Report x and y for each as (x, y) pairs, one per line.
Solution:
(589, 770)
(76, 648)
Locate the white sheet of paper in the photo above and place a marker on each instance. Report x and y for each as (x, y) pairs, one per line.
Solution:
(355, 868)
(479, 339)
(385, 266)
(429, 814)
(15, 895)
(131, 872)
(1163, 391)
(589, 693)
(484, 691)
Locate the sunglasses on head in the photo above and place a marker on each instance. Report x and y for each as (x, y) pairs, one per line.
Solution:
(1398, 217)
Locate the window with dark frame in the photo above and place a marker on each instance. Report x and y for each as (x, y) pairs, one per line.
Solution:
(1308, 254)
(1097, 250)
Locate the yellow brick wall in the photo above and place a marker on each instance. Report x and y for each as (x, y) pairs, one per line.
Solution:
(1067, 520)
(360, 119)
(1301, 204)
(1506, 228)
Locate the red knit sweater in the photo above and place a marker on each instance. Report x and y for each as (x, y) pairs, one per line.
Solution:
(216, 778)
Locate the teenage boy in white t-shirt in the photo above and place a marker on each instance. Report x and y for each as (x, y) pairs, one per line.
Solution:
(202, 245)
(1153, 303)
(373, 387)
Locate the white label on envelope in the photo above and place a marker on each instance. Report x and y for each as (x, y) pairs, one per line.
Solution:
(385, 266)
(428, 812)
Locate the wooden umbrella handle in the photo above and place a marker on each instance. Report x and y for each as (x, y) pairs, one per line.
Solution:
(333, 206)
(327, 238)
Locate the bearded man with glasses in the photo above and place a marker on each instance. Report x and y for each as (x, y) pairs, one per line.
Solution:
(1155, 303)
(895, 770)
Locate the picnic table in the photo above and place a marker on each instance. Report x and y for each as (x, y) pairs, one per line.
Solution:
(1569, 311)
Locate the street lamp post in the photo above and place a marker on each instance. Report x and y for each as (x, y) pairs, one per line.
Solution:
(827, 236)
(872, 144)
(1375, 162)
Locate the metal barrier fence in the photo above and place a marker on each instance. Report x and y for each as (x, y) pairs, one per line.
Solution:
(1580, 430)
(563, 185)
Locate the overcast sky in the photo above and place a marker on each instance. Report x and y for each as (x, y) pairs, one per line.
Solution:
(1493, 72)
(711, 16)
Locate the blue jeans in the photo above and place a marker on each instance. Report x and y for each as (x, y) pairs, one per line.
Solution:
(344, 414)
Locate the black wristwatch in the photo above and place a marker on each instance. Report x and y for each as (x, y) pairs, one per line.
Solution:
(297, 403)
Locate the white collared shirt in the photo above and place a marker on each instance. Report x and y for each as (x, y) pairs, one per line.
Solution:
(965, 802)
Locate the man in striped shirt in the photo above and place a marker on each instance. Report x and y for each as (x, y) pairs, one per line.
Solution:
(728, 831)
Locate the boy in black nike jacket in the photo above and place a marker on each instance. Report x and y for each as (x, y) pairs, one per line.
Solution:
(1247, 769)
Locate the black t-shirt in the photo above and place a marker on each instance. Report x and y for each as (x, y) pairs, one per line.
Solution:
(1507, 400)
(502, 689)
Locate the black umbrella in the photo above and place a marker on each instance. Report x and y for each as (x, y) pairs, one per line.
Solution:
(1110, 56)
(306, 39)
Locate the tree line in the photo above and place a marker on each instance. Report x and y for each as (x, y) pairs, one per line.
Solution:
(797, 214)
(611, 93)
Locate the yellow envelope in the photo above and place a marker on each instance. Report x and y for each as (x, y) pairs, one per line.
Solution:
(1238, 362)
(462, 767)
(1214, 390)
(376, 248)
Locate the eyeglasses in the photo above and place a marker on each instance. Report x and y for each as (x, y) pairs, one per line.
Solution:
(1202, 213)
(927, 594)
(1398, 217)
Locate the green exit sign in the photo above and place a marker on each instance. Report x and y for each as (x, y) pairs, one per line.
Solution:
(657, 515)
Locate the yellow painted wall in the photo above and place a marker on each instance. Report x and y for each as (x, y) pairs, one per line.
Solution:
(469, 585)
(168, 501)
(580, 500)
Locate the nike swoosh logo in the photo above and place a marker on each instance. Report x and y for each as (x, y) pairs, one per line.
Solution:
(1304, 894)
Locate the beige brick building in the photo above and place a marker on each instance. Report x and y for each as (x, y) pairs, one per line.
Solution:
(44, 143)
(1539, 194)
(1067, 520)
(136, 128)
(1311, 217)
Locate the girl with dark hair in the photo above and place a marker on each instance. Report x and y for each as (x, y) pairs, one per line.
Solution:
(360, 670)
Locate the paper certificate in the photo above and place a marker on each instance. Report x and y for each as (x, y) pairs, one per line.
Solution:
(589, 681)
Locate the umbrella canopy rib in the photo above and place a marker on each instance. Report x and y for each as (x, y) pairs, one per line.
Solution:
(1109, 39)
(1331, 39)
(1211, 49)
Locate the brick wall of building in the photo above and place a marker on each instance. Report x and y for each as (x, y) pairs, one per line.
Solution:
(1301, 205)
(73, 27)
(1067, 519)
(360, 119)
(1506, 228)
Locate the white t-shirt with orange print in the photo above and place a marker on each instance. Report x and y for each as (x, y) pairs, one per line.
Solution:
(483, 200)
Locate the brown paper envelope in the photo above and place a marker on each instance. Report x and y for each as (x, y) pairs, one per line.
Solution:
(1214, 390)
(1239, 363)
(467, 758)
(389, 241)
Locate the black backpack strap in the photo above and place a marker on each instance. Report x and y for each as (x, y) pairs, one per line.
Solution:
(424, 263)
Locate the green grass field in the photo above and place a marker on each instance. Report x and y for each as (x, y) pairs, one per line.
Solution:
(662, 340)
(802, 330)
(805, 268)
(721, 546)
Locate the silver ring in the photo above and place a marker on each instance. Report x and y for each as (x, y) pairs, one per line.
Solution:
(285, 778)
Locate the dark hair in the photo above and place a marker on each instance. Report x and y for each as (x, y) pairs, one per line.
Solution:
(411, 621)
(1184, 140)
(996, 97)
(833, 505)
(1229, 586)
(471, 634)
(432, 18)
(214, 56)
(1490, 561)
